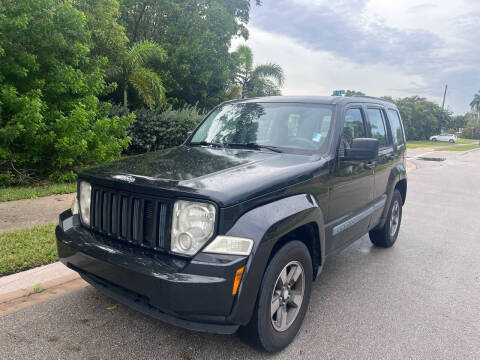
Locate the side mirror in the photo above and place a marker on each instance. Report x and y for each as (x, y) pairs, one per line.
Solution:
(363, 149)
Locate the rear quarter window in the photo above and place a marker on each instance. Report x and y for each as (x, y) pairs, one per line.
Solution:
(396, 127)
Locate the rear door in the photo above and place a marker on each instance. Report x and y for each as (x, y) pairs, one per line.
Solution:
(378, 129)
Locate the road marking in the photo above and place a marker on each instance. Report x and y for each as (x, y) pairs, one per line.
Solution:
(421, 155)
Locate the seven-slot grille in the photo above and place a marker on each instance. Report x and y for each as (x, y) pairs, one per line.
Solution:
(129, 217)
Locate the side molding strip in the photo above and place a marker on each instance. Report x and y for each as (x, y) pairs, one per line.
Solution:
(359, 217)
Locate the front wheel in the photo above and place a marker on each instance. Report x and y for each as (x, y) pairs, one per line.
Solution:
(283, 299)
(387, 235)
(434, 139)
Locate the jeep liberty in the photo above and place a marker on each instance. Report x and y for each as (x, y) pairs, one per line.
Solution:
(228, 231)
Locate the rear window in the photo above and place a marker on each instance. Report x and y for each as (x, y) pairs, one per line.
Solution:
(377, 126)
(396, 127)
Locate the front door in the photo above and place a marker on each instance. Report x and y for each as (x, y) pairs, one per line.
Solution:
(351, 191)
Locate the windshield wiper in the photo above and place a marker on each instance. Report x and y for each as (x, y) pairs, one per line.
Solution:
(256, 146)
(207, 143)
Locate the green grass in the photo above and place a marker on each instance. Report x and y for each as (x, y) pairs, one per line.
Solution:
(33, 192)
(27, 248)
(425, 143)
(466, 141)
(460, 148)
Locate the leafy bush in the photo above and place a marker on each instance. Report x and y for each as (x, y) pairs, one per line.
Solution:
(51, 119)
(158, 129)
(469, 133)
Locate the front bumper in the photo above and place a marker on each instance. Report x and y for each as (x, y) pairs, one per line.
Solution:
(191, 293)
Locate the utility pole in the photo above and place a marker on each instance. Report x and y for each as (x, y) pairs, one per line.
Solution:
(444, 96)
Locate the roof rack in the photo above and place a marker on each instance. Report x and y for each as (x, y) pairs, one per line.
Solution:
(373, 97)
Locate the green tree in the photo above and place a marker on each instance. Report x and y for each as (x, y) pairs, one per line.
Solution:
(51, 119)
(354, 93)
(261, 80)
(132, 70)
(475, 104)
(422, 118)
(196, 35)
(107, 35)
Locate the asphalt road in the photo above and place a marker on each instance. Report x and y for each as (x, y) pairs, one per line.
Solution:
(417, 300)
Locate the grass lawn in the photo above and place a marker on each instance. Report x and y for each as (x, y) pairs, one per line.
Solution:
(27, 248)
(414, 144)
(460, 148)
(33, 192)
(467, 141)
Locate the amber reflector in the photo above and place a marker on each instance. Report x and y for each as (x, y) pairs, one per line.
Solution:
(238, 278)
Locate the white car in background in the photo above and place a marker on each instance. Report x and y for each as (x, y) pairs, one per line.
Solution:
(444, 137)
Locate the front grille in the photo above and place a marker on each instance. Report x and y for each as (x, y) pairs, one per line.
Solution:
(130, 217)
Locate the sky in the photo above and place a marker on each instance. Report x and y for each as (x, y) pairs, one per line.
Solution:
(380, 47)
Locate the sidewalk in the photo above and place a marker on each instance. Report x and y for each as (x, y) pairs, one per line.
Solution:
(27, 213)
(17, 290)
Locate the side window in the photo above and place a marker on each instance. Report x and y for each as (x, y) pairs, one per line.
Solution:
(352, 129)
(377, 127)
(396, 127)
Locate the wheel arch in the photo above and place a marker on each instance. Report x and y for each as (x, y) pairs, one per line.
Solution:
(271, 226)
(396, 180)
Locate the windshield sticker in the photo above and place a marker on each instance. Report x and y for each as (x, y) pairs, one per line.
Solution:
(316, 137)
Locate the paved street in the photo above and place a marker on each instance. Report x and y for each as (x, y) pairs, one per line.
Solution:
(420, 299)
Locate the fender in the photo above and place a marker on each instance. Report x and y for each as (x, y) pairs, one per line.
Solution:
(398, 173)
(266, 225)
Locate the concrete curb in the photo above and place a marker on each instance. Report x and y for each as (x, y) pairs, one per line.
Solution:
(19, 299)
(17, 291)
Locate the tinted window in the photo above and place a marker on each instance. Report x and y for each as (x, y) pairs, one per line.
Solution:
(354, 124)
(377, 126)
(396, 127)
(352, 129)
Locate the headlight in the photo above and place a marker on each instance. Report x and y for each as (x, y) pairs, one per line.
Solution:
(230, 245)
(85, 197)
(192, 226)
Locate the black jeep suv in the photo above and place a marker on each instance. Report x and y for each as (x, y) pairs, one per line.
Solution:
(229, 230)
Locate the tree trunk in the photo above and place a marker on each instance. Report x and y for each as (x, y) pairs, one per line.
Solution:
(244, 90)
(125, 95)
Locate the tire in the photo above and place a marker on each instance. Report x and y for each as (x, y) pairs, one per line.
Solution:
(264, 330)
(452, 141)
(387, 235)
(434, 139)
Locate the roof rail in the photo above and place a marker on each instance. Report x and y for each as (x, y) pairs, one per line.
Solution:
(373, 97)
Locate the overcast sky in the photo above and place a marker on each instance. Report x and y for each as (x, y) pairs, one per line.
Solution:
(380, 47)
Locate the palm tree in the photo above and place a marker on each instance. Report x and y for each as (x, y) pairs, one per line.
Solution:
(251, 81)
(475, 105)
(132, 71)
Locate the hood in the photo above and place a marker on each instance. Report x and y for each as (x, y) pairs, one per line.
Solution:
(226, 176)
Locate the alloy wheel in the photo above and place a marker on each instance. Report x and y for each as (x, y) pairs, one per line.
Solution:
(287, 296)
(394, 218)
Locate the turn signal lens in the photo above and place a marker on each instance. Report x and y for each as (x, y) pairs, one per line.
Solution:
(238, 279)
(230, 245)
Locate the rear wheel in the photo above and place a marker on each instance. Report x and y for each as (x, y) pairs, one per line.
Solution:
(282, 300)
(452, 141)
(387, 235)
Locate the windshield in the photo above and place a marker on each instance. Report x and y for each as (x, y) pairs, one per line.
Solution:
(277, 126)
